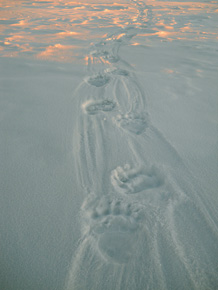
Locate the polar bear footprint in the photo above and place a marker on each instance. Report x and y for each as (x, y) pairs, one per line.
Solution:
(113, 224)
(135, 180)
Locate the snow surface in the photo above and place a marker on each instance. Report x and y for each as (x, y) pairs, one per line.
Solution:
(109, 160)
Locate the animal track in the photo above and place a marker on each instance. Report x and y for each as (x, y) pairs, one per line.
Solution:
(123, 37)
(105, 55)
(111, 58)
(99, 53)
(132, 122)
(94, 107)
(130, 181)
(98, 80)
(117, 71)
(112, 223)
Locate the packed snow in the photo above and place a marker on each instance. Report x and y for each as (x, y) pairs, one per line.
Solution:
(109, 145)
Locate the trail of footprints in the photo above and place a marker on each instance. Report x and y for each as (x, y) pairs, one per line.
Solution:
(111, 221)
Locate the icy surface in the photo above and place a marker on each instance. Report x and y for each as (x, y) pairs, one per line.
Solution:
(109, 145)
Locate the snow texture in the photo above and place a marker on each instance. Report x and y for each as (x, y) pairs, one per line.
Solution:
(109, 141)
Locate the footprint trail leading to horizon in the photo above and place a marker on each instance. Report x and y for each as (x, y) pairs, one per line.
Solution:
(141, 208)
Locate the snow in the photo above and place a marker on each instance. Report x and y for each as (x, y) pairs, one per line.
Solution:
(109, 160)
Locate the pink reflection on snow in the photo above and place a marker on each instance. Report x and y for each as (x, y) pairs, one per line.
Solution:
(58, 29)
